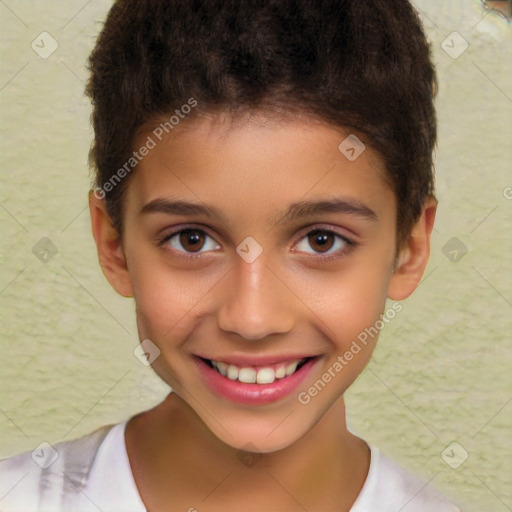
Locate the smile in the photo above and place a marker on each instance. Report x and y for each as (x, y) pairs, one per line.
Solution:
(254, 384)
(258, 375)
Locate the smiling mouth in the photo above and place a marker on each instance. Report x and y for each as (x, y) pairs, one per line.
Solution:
(257, 374)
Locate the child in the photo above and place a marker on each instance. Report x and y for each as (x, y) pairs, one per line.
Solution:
(263, 184)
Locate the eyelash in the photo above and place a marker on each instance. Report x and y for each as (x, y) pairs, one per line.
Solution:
(350, 244)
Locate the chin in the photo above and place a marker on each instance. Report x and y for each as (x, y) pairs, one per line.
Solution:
(248, 437)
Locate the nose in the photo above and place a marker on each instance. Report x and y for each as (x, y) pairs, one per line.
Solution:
(255, 302)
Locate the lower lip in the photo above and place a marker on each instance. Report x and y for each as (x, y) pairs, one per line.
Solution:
(253, 394)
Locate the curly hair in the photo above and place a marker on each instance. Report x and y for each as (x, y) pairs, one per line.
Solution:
(359, 65)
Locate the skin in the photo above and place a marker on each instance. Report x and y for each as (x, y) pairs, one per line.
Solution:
(292, 299)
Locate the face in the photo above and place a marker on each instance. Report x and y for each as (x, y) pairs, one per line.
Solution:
(258, 253)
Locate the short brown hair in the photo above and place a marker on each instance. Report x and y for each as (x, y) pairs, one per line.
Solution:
(360, 65)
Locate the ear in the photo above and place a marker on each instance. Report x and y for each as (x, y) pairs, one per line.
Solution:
(414, 254)
(110, 249)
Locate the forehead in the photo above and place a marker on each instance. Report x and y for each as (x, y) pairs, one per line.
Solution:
(255, 166)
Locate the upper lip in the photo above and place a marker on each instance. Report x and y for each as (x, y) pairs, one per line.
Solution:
(257, 360)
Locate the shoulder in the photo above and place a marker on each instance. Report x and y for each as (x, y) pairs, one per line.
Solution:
(50, 476)
(389, 487)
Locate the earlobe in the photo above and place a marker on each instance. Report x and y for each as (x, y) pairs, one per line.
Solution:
(414, 255)
(110, 250)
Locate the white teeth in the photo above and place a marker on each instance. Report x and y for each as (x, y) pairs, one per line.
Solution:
(291, 367)
(247, 375)
(232, 372)
(280, 372)
(250, 375)
(265, 376)
(222, 367)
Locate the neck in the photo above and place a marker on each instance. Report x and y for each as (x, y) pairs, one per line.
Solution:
(172, 446)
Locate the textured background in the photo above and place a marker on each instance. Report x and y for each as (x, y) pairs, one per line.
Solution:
(441, 372)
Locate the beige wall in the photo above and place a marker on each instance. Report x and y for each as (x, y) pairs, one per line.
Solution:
(441, 372)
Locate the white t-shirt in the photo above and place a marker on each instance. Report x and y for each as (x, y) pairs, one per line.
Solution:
(93, 473)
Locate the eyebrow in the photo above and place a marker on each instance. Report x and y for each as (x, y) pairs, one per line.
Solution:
(180, 207)
(348, 206)
(295, 211)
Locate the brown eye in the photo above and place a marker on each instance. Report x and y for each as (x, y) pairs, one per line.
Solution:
(321, 241)
(192, 240)
(324, 243)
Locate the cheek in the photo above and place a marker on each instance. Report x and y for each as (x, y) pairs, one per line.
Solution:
(349, 301)
(349, 306)
(167, 300)
(162, 304)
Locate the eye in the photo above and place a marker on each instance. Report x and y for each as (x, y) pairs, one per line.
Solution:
(190, 241)
(324, 241)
